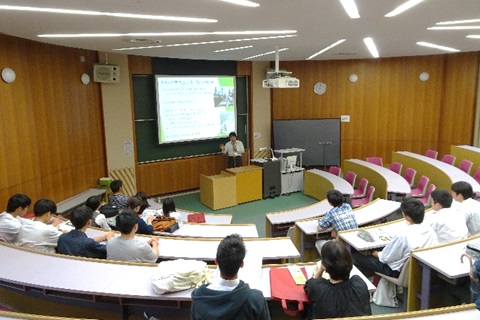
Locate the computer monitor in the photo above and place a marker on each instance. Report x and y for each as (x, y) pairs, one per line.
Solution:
(291, 161)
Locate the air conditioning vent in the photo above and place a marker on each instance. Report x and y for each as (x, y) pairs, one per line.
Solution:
(106, 73)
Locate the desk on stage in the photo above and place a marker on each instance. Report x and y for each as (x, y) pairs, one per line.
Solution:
(218, 191)
(248, 183)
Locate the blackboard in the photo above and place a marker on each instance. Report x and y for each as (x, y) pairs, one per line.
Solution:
(319, 137)
(145, 106)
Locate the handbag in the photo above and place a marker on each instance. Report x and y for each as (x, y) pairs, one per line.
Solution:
(196, 217)
(386, 294)
(165, 224)
(283, 288)
(109, 210)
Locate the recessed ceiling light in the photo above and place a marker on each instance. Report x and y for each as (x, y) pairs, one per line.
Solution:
(458, 21)
(436, 46)
(474, 36)
(403, 7)
(163, 34)
(141, 41)
(244, 3)
(351, 8)
(371, 47)
(264, 54)
(233, 49)
(326, 49)
(455, 28)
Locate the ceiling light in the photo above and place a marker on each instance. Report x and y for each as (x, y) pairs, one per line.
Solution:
(264, 54)
(351, 8)
(326, 49)
(163, 34)
(109, 14)
(403, 7)
(232, 49)
(455, 28)
(371, 47)
(474, 36)
(458, 21)
(435, 46)
(244, 3)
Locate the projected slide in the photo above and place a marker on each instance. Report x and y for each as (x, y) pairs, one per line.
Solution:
(195, 107)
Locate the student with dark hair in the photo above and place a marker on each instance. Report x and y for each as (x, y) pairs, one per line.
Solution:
(77, 243)
(339, 218)
(391, 259)
(17, 206)
(144, 198)
(144, 227)
(234, 149)
(340, 296)
(98, 220)
(41, 233)
(117, 198)
(229, 297)
(449, 224)
(169, 210)
(128, 248)
(462, 192)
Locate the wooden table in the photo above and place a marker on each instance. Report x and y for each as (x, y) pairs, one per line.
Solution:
(317, 182)
(249, 183)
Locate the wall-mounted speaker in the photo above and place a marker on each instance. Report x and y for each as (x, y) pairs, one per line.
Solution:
(106, 73)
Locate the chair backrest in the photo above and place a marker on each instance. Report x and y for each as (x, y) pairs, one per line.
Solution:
(351, 177)
(448, 158)
(375, 160)
(370, 192)
(428, 195)
(422, 183)
(362, 186)
(410, 175)
(476, 175)
(431, 154)
(335, 170)
(404, 273)
(396, 167)
(466, 166)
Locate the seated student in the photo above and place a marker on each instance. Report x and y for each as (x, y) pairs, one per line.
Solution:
(470, 208)
(41, 233)
(340, 217)
(117, 198)
(144, 198)
(98, 220)
(341, 296)
(144, 227)
(449, 224)
(391, 259)
(77, 243)
(229, 297)
(17, 206)
(168, 209)
(128, 248)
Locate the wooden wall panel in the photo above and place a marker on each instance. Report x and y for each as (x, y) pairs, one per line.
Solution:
(140, 65)
(51, 125)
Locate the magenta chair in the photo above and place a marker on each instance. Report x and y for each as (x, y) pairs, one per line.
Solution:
(427, 200)
(363, 201)
(351, 177)
(466, 166)
(396, 167)
(335, 170)
(375, 160)
(431, 154)
(361, 192)
(421, 189)
(409, 175)
(448, 158)
(476, 176)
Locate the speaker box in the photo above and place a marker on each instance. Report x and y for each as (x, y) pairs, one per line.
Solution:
(106, 73)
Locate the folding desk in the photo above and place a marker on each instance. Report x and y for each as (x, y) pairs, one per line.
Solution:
(204, 230)
(466, 152)
(317, 182)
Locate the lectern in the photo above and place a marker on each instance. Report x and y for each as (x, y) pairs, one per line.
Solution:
(218, 191)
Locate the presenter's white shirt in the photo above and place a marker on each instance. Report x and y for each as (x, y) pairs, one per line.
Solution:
(471, 211)
(38, 235)
(9, 227)
(449, 224)
(229, 149)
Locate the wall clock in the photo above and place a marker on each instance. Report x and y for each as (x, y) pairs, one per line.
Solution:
(319, 88)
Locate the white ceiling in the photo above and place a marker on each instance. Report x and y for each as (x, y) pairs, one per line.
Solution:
(318, 23)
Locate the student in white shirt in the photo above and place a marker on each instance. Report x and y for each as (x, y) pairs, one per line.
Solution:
(41, 233)
(448, 223)
(10, 224)
(470, 208)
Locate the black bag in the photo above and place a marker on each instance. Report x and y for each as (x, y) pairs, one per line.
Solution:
(109, 210)
(172, 228)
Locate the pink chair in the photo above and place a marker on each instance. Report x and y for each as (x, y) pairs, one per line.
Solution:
(409, 175)
(448, 158)
(368, 198)
(351, 177)
(476, 175)
(396, 167)
(421, 189)
(466, 166)
(427, 200)
(335, 170)
(361, 192)
(375, 160)
(431, 154)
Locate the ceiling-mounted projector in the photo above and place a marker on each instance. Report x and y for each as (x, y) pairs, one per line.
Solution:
(279, 78)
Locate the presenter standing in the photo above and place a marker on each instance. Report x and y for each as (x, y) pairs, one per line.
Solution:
(234, 149)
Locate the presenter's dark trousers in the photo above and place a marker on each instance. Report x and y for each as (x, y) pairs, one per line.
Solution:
(234, 162)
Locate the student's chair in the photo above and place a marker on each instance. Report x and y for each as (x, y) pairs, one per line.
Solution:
(351, 177)
(448, 158)
(427, 200)
(361, 192)
(396, 167)
(401, 281)
(335, 170)
(421, 188)
(375, 160)
(466, 166)
(409, 175)
(362, 201)
(431, 154)
(476, 176)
